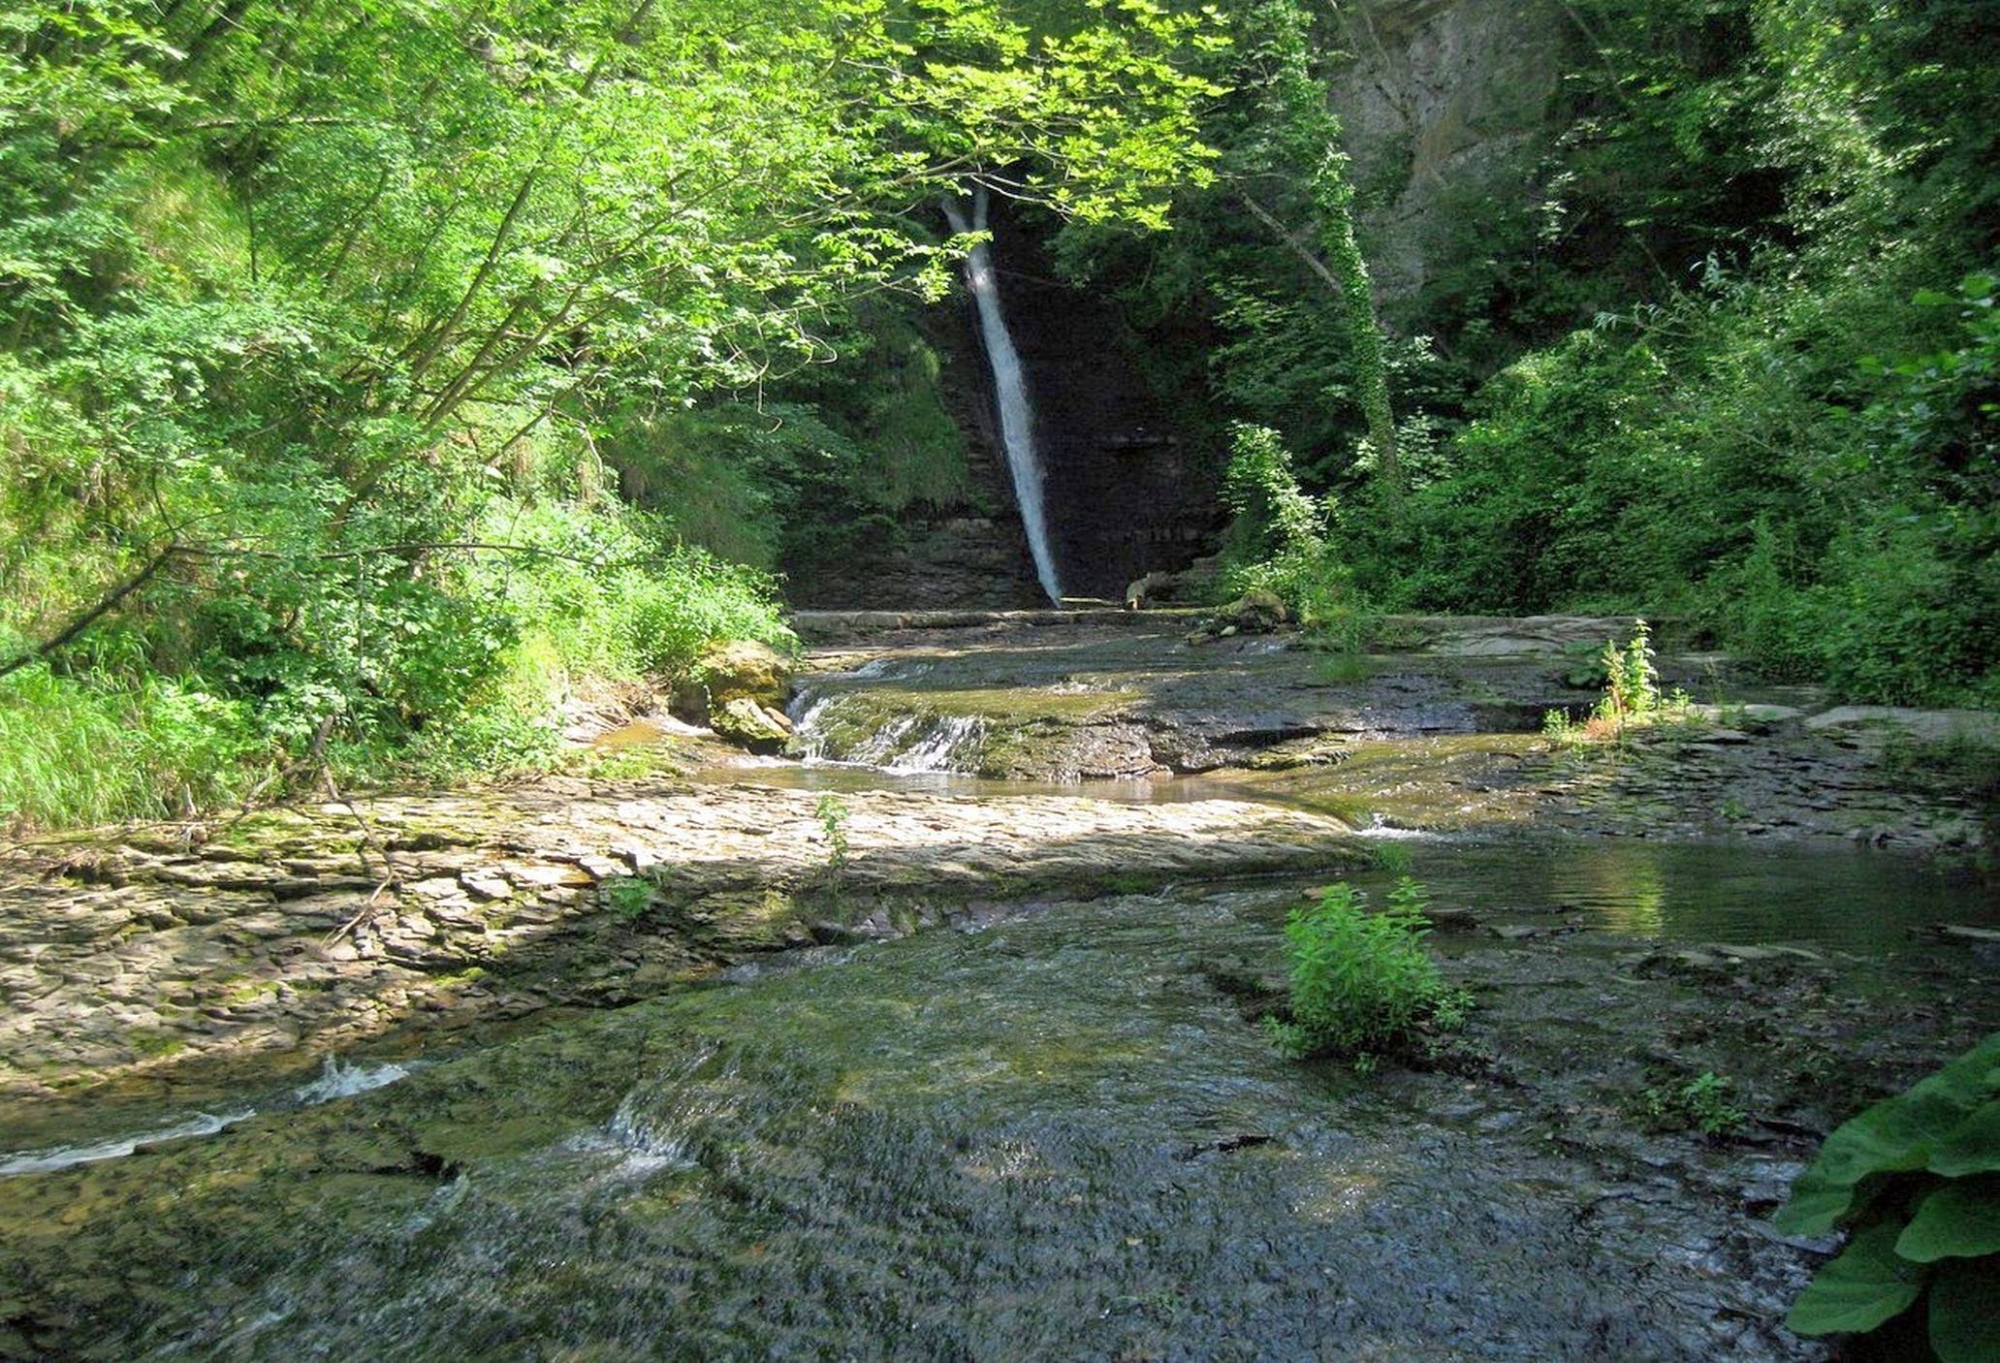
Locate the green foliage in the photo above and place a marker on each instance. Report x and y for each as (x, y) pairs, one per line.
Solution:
(628, 896)
(319, 330)
(1279, 540)
(614, 594)
(1632, 696)
(1739, 457)
(1631, 682)
(1298, 132)
(833, 813)
(1699, 1104)
(1917, 1178)
(78, 752)
(1361, 982)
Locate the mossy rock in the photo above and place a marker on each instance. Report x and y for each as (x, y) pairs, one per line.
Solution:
(735, 669)
(745, 722)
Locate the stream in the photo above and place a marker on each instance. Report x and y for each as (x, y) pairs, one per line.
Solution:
(1047, 1129)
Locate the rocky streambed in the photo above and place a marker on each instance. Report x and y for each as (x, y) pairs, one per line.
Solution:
(664, 1086)
(1428, 724)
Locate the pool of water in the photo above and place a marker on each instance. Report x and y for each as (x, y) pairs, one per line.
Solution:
(1846, 897)
(1051, 1136)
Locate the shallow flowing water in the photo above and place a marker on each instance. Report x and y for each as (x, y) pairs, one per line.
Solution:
(1052, 1137)
(1058, 1134)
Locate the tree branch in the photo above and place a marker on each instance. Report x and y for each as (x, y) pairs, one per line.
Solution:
(104, 606)
(1293, 244)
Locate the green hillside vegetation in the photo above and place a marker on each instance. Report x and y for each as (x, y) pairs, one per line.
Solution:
(1733, 361)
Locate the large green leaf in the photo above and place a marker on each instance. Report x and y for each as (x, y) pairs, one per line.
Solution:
(1971, 1147)
(1958, 1220)
(1865, 1286)
(1965, 1311)
(1896, 1135)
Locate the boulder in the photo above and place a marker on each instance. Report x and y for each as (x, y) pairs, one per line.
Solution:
(756, 727)
(736, 668)
(733, 669)
(1153, 587)
(1255, 612)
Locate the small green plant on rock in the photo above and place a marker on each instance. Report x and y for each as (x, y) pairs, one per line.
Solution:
(1362, 983)
(1917, 1180)
(1632, 697)
(1631, 682)
(833, 813)
(628, 896)
(1701, 1104)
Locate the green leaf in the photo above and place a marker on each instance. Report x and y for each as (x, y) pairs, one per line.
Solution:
(1965, 1311)
(1865, 1286)
(1958, 1220)
(1972, 1147)
(1897, 1135)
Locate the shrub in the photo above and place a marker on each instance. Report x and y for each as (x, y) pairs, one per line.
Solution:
(1361, 982)
(1278, 541)
(609, 592)
(1631, 682)
(82, 751)
(1917, 1179)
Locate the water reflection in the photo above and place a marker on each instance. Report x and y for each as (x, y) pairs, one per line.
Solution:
(1849, 899)
(1625, 884)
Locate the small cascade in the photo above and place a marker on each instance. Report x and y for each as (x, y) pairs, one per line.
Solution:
(62, 1157)
(337, 1079)
(1010, 391)
(944, 743)
(851, 728)
(660, 1121)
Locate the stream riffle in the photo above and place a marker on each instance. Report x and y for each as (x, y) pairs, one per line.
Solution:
(1048, 1128)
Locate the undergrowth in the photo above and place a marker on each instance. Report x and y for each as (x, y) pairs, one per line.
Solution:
(454, 673)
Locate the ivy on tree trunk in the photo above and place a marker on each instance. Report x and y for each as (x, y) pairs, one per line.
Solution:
(1305, 132)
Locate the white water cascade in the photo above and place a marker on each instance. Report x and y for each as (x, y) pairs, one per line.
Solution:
(1010, 392)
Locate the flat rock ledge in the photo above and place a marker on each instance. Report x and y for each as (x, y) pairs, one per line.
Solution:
(314, 929)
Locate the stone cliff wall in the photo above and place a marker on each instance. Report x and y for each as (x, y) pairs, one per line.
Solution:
(1446, 107)
(1126, 493)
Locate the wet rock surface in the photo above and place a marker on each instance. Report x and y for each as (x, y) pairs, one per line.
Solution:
(316, 928)
(1052, 1135)
(1431, 724)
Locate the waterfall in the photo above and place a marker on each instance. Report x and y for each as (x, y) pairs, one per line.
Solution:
(1010, 392)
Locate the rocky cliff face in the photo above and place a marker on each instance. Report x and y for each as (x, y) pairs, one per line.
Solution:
(1446, 105)
(1126, 493)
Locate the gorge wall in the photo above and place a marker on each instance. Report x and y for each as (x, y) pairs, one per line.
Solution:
(1447, 107)
(1126, 492)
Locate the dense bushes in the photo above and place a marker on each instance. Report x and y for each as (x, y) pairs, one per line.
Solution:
(1766, 404)
(323, 336)
(1745, 458)
(1279, 539)
(370, 667)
